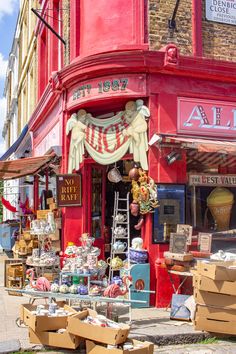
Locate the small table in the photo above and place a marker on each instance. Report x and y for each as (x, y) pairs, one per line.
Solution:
(185, 275)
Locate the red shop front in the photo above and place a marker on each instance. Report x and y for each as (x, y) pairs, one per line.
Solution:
(185, 107)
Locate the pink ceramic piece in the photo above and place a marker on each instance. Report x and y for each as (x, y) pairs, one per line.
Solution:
(134, 208)
(42, 283)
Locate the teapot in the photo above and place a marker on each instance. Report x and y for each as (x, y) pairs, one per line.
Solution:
(115, 263)
(119, 246)
(120, 231)
(120, 217)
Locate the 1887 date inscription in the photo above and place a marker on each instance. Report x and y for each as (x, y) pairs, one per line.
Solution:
(102, 86)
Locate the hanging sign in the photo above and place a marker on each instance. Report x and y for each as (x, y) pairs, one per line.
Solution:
(221, 11)
(69, 190)
(107, 140)
(202, 117)
(212, 180)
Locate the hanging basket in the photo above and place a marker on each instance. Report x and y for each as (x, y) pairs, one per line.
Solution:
(114, 175)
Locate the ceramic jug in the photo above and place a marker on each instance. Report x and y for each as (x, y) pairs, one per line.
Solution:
(137, 243)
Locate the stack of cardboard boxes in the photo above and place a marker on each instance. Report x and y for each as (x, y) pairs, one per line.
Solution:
(74, 330)
(215, 296)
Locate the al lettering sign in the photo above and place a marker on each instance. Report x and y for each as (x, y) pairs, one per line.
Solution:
(212, 180)
(69, 190)
(221, 11)
(206, 117)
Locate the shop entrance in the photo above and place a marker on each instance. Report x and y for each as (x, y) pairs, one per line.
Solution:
(101, 193)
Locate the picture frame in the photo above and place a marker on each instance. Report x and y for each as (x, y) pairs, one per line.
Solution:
(186, 230)
(178, 243)
(204, 242)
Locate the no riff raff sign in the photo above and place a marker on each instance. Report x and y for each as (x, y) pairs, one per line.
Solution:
(221, 11)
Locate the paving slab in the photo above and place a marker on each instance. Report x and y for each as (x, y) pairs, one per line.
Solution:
(10, 346)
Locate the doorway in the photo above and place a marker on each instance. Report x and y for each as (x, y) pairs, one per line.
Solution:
(101, 193)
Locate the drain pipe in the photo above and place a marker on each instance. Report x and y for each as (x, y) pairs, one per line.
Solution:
(197, 28)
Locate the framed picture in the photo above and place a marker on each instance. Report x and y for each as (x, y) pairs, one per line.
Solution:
(178, 243)
(186, 230)
(204, 242)
(169, 211)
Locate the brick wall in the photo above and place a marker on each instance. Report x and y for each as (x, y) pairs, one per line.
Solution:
(219, 40)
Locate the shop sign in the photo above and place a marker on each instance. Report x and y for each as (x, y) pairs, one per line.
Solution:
(221, 11)
(111, 86)
(206, 117)
(212, 180)
(69, 190)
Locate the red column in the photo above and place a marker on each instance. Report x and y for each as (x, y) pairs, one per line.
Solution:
(197, 27)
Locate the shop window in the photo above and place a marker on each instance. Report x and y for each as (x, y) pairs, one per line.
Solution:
(170, 212)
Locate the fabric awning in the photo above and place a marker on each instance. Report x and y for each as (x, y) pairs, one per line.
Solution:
(16, 144)
(12, 169)
(205, 145)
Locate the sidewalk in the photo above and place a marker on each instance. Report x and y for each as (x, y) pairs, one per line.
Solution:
(147, 324)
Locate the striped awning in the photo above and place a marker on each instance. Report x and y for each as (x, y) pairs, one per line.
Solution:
(205, 152)
(210, 159)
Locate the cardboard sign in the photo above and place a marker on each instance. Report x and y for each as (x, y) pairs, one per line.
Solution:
(69, 190)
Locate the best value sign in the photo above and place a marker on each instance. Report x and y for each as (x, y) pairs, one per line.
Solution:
(206, 117)
(212, 180)
(221, 11)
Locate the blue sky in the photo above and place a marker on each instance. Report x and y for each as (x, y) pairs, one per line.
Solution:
(8, 16)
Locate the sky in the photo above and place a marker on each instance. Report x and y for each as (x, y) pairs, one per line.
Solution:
(8, 16)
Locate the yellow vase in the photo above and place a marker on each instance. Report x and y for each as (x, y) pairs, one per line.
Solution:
(220, 202)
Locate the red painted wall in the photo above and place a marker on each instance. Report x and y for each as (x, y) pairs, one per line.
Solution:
(113, 25)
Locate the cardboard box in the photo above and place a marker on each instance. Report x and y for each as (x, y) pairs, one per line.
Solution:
(217, 270)
(50, 201)
(215, 326)
(43, 323)
(55, 236)
(178, 256)
(56, 245)
(42, 214)
(215, 286)
(215, 299)
(105, 335)
(141, 348)
(54, 339)
(218, 314)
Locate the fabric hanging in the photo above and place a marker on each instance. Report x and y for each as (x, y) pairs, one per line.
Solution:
(8, 205)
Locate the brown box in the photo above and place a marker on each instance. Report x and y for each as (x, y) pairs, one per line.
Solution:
(55, 236)
(56, 245)
(215, 326)
(58, 223)
(139, 348)
(105, 335)
(218, 314)
(178, 256)
(50, 201)
(53, 206)
(215, 286)
(54, 339)
(42, 214)
(43, 323)
(217, 270)
(215, 299)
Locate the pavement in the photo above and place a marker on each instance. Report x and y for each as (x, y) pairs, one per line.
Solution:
(149, 324)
